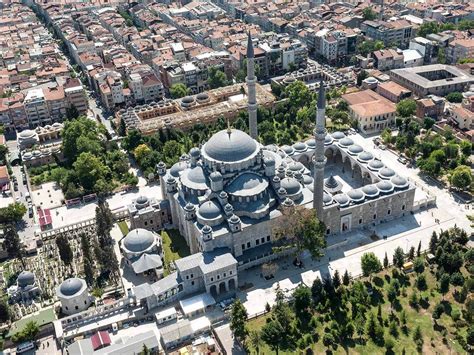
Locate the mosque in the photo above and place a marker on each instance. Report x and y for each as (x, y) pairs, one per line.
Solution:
(226, 196)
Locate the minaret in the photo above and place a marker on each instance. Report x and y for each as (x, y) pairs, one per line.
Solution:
(319, 158)
(251, 90)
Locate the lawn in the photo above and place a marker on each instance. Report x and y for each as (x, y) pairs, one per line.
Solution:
(43, 317)
(174, 247)
(123, 227)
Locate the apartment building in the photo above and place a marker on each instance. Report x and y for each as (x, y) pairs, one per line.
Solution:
(459, 49)
(75, 95)
(334, 46)
(36, 108)
(398, 32)
(463, 118)
(388, 59)
(146, 87)
(56, 103)
(428, 49)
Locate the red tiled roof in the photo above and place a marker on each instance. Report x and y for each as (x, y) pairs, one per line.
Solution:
(100, 340)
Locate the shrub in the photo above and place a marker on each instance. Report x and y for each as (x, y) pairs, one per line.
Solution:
(456, 314)
(457, 279)
(438, 311)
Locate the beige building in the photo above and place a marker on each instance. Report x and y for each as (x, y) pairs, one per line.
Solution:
(388, 59)
(372, 111)
(393, 91)
(459, 49)
(463, 117)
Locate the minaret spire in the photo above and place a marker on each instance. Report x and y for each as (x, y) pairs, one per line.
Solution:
(319, 158)
(251, 89)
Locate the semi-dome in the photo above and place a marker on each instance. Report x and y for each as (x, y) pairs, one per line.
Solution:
(209, 210)
(356, 195)
(375, 164)
(27, 133)
(342, 199)
(177, 168)
(364, 157)
(338, 135)
(138, 240)
(25, 278)
(247, 184)
(291, 185)
(370, 191)
(307, 179)
(399, 182)
(71, 287)
(230, 146)
(355, 149)
(346, 142)
(384, 186)
(386, 173)
(194, 178)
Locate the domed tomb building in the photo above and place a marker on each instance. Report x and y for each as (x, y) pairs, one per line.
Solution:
(142, 250)
(73, 295)
(25, 288)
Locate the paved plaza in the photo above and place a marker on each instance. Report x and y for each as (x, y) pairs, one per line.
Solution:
(345, 250)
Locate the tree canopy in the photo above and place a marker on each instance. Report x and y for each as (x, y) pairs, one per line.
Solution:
(461, 177)
(370, 264)
(178, 91)
(406, 107)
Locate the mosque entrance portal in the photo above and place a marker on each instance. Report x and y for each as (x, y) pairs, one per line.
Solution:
(346, 223)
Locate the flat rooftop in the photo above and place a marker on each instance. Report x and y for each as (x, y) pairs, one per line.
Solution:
(435, 75)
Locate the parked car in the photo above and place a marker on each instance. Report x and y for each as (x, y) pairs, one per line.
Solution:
(383, 147)
(402, 160)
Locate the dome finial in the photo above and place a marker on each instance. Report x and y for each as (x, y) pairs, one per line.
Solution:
(229, 131)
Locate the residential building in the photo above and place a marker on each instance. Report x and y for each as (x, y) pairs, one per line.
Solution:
(428, 49)
(388, 59)
(412, 58)
(75, 95)
(463, 118)
(397, 32)
(459, 49)
(146, 87)
(36, 108)
(432, 106)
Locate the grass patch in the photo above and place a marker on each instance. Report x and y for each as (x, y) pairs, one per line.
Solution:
(174, 247)
(43, 317)
(123, 227)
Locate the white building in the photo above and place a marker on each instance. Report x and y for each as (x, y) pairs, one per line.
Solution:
(73, 295)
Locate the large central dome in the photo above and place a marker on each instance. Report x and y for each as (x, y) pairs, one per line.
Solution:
(230, 146)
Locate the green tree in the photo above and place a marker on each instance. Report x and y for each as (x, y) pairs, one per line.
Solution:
(12, 243)
(216, 78)
(178, 91)
(299, 226)
(5, 313)
(361, 77)
(419, 265)
(81, 135)
(72, 112)
(298, 94)
(470, 335)
(427, 28)
(30, 331)
(406, 107)
(104, 222)
(454, 96)
(369, 14)
(370, 264)
(418, 338)
(64, 248)
(14, 212)
(255, 339)
(238, 320)
(272, 334)
(461, 177)
(89, 170)
(398, 257)
(346, 278)
(171, 151)
(444, 284)
(302, 298)
(428, 123)
(385, 261)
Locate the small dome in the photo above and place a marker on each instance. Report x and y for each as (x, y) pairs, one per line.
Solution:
(327, 198)
(206, 229)
(195, 152)
(209, 210)
(215, 176)
(141, 202)
(338, 135)
(341, 199)
(346, 142)
(291, 185)
(71, 287)
(25, 278)
(399, 182)
(356, 195)
(177, 168)
(230, 146)
(386, 173)
(228, 207)
(307, 179)
(296, 166)
(328, 139)
(364, 157)
(331, 182)
(138, 240)
(375, 164)
(189, 207)
(311, 143)
(355, 149)
(384, 186)
(27, 133)
(370, 191)
(187, 99)
(202, 96)
(234, 219)
(287, 149)
(223, 194)
(299, 147)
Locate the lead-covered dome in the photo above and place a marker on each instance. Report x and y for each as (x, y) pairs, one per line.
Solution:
(247, 184)
(230, 146)
(209, 210)
(138, 240)
(386, 173)
(71, 287)
(291, 185)
(375, 164)
(25, 278)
